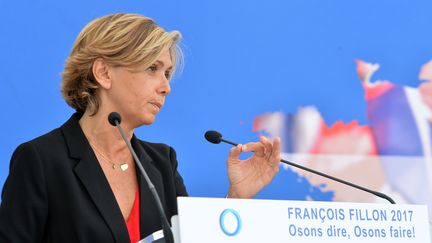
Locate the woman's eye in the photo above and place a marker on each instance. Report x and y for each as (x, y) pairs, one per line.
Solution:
(168, 75)
(152, 68)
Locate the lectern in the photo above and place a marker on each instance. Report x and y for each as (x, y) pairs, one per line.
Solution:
(216, 220)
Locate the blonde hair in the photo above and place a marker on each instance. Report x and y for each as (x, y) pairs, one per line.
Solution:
(120, 40)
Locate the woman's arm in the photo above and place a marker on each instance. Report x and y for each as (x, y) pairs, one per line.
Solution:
(23, 209)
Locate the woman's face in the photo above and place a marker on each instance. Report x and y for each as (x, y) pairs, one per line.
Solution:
(138, 95)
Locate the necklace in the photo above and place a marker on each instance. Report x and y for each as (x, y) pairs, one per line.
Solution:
(122, 166)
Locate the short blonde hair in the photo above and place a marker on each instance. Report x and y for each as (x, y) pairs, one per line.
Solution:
(120, 40)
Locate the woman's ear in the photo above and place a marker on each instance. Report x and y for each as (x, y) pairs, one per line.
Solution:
(101, 72)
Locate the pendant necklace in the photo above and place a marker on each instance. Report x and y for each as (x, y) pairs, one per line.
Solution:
(122, 166)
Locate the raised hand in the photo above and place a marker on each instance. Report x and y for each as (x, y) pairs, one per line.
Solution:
(247, 177)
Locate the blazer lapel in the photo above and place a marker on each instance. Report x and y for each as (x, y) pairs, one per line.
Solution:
(149, 218)
(92, 177)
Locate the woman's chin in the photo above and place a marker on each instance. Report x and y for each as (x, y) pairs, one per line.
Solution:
(148, 120)
(137, 120)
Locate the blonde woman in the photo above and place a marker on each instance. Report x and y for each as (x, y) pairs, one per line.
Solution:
(78, 183)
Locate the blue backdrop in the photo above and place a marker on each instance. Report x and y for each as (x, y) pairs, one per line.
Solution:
(243, 58)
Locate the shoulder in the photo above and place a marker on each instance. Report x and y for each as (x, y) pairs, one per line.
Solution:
(57, 137)
(164, 158)
(157, 149)
(39, 154)
(46, 142)
(51, 146)
(160, 153)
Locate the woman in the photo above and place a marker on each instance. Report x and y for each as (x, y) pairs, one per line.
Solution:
(79, 183)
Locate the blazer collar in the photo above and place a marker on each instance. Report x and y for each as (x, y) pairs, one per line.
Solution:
(93, 178)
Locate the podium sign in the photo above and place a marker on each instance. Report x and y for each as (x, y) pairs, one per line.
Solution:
(244, 220)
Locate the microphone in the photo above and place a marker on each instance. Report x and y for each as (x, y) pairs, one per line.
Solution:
(216, 137)
(114, 119)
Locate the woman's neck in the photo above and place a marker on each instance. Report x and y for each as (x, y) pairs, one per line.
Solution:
(103, 135)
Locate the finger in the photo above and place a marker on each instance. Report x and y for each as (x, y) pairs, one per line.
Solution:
(256, 147)
(268, 146)
(276, 153)
(234, 152)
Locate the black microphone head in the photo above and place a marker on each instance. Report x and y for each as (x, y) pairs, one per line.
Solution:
(113, 117)
(213, 136)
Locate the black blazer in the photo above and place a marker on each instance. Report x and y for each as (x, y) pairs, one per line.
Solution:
(56, 190)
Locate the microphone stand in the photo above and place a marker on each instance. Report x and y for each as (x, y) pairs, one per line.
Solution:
(115, 119)
(216, 137)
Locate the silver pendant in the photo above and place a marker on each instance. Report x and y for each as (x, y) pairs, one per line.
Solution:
(124, 167)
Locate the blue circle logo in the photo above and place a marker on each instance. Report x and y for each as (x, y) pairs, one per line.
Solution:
(230, 222)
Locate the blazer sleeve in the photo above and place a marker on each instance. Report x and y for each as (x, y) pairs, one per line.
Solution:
(178, 180)
(23, 210)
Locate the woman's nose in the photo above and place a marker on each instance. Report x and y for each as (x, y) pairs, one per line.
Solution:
(165, 87)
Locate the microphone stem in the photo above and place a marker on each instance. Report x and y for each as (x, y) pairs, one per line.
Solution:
(378, 194)
(227, 141)
(168, 235)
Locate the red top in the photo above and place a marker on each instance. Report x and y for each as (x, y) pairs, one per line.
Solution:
(133, 222)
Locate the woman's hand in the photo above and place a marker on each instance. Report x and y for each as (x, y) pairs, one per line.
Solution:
(248, 177)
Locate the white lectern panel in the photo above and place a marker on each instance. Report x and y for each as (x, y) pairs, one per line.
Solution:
(240, 220)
